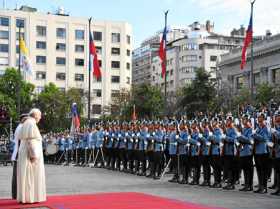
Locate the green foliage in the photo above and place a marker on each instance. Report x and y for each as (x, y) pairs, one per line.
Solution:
(198, 95)
(243, 97)
(8, 89)
(264, 93)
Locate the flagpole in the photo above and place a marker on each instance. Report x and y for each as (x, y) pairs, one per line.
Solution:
(164, 61)
(19, 72)
(252, 53)
(89, 75)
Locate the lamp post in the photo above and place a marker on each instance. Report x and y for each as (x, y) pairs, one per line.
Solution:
(18, 88)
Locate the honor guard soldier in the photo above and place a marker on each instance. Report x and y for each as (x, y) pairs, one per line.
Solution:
(261, 138)
(205, 152)
(150, 148)
(195, 150)
(246, 153)
(158, 151)
(130, 153)
(171, 137)
(276, 141)
(143, 144)
(230, 152)
(215, 152)
(183, 150)
(122, 146)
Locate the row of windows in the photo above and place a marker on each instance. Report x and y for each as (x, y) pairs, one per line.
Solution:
(61, 32)
(189, 46)
(40, 75)
(189, 69)
(188, 58)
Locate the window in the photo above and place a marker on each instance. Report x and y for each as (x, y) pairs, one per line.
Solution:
(79, 77)
(128, 52)
(79, 48)
(4, 21)
(60, 32)
(40, 59)
(98, 92)
(79, 34)
(41, 45)
(4, 48)
(115, 93)
(97, 36)
(115, 64)
(60, 60)
(21, 35)
(213, 58)
(40, 75)
(79, 62)
(116, 37)
(4, 34)
(239, 82)
(187, 58)
(19, 23)
(276, 76)
(60, 76)
(96, 109)
(257, 79)
(128, 80)
(98, 49)
(115, 51)
(4, 61)
(115, 79)
(41, 30)
(128, 66)
(128, 39)
(60, 46)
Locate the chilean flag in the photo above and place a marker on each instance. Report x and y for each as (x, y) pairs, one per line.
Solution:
(93, 57)
(247, 41)
(162, 53)
(75, 117)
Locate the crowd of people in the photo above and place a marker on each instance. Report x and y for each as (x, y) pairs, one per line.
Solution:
(191, 150)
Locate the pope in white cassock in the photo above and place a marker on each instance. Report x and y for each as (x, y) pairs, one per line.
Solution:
(31, 186)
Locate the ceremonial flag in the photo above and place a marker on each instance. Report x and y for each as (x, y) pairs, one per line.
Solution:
(162, 53)
(75, 125)
(134, 113)
(24, 60)
(93, 59)
(247, 42)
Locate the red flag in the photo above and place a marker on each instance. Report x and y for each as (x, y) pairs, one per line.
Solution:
(134, 113)
(162, 53)
(93, 56)
(247, 42)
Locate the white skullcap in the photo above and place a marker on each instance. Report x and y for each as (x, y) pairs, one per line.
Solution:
(34, 111)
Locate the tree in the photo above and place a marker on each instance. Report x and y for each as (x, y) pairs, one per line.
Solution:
(148, 101)
(8, 89)
(197, 96)
(264, 93)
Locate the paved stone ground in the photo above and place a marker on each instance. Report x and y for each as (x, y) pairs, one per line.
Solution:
(78, 180)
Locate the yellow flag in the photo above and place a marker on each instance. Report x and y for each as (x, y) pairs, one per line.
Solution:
(24, 59)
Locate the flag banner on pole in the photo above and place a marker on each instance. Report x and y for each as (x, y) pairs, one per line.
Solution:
(134, 117)
(24, 60)
(247, 42)
(162, 53)
(75, 125)
(93, 58)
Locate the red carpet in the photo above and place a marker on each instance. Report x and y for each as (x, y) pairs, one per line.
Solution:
(106, 201)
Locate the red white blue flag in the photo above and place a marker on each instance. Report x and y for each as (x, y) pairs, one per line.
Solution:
(162, 53)
(93, 59)
(247, 42)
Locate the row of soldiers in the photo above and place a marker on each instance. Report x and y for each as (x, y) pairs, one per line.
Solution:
(183, 147)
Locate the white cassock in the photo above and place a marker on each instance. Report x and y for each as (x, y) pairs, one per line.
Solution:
(31, 186)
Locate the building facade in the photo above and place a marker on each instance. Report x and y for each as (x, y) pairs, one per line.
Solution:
(266, 66)
(58, 48)
(200, 48)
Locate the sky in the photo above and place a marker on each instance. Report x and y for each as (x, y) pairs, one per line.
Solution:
(147, 16)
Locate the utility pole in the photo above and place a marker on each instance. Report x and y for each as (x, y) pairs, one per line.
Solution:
(18, 87)
(164, 62)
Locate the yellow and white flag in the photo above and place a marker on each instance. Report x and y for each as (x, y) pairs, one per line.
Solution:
(24, 57)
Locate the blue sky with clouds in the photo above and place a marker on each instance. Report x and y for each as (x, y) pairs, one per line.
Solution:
(146, 16)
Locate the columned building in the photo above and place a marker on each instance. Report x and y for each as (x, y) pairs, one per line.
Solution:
(266, 65)
(58, 47)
